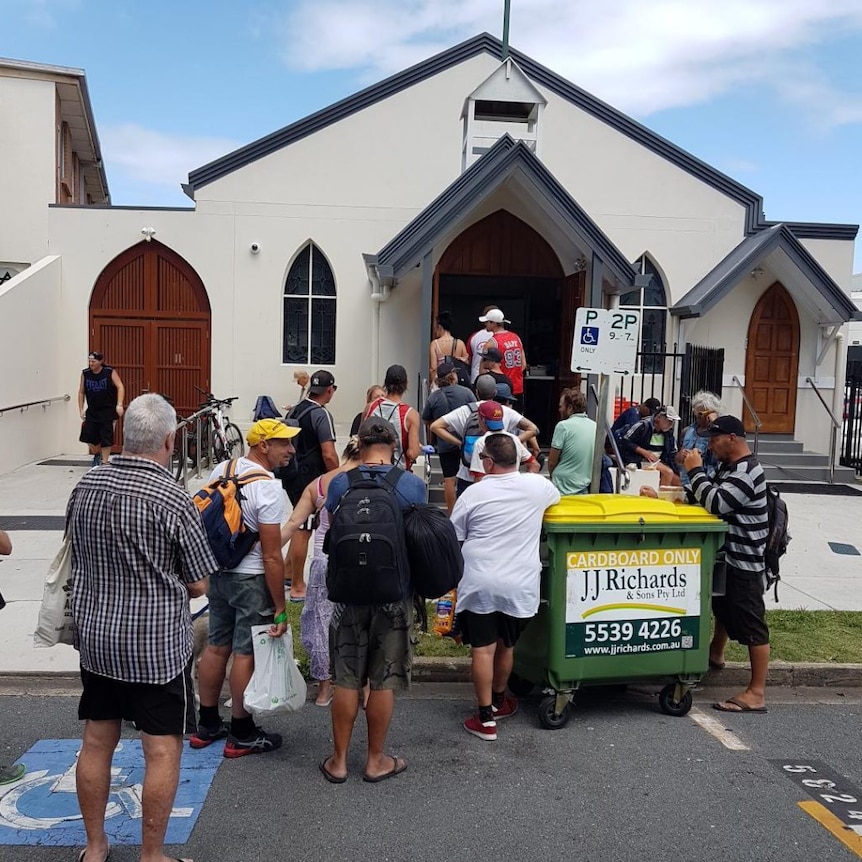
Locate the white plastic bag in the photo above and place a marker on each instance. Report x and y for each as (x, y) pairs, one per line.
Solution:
(55, 624)
(276, 684)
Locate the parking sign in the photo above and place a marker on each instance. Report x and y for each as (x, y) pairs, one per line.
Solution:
(605, 342)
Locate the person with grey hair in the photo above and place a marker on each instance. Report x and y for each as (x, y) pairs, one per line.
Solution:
(705, 407)
(139, 551)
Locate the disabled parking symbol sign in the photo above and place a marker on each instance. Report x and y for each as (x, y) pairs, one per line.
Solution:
(42, 807)
(590, 335)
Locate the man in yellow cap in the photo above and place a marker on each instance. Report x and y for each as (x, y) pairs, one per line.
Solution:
(251, 594)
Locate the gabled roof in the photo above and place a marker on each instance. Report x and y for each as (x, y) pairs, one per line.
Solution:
(75, 109)
(723, 278)
(508, 82)
(504, 160)
(538, 74)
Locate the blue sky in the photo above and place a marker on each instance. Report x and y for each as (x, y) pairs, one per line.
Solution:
(768, 91)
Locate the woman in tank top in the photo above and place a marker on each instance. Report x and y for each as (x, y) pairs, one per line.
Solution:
(317, 610)
(444, 346)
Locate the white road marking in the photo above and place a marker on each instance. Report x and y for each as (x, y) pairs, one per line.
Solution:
(716, 728)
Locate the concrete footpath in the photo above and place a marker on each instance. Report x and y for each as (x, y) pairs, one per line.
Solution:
(822, 571)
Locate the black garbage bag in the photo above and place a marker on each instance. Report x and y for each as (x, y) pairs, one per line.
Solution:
(433, 550)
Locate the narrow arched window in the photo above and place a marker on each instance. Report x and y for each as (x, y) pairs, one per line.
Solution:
(651, 301)
(309, 310)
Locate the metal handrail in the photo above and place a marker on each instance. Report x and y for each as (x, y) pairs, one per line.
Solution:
(43, 403)
(751, 410)
(836, 425)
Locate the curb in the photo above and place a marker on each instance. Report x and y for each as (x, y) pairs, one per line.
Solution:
(735, 674)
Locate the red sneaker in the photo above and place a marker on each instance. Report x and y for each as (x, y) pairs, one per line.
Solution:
(508, 707)
(482, 729)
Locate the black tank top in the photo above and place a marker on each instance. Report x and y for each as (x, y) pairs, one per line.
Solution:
(101, 393)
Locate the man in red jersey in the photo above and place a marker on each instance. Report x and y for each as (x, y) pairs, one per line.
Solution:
(514, 361)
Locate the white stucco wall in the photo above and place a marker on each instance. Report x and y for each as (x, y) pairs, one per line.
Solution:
(836, 257)
(27, 167)
(30, 342)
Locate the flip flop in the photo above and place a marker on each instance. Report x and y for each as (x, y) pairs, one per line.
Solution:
(740, 705)
(325, 703)
(81, 855)
(297, 599)
(332, 779)
(396, 770)
(717, 665)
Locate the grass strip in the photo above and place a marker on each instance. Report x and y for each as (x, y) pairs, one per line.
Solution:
(797, 636)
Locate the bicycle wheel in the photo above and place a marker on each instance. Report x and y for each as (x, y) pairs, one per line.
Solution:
(235, 445)
(220, 450)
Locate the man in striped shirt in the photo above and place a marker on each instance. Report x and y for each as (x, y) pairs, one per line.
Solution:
(737, 495)
(139, 551)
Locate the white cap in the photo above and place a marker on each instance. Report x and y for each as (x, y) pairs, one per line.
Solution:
(670, 412)
(494, 316)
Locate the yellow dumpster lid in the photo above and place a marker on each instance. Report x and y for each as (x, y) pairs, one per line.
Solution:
(624, 509)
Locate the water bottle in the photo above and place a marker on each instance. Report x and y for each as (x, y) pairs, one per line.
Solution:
(444, 614)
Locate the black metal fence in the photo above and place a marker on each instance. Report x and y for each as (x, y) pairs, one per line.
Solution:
(673, 377)
(851, 435)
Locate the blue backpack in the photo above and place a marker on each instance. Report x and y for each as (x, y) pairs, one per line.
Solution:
(472, 432)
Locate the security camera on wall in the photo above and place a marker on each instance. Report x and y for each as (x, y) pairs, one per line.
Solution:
(254, 248)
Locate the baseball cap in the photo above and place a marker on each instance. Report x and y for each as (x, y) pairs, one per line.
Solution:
(494, 316)
(724, 425)
(492, 355)
(445, 368)
(492, 413)
(504, 393)
(320, 382)
(669, 411)
(96, 355)
(269, 429)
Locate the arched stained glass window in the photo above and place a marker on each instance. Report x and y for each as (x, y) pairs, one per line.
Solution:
(651, 301)
(309, 310)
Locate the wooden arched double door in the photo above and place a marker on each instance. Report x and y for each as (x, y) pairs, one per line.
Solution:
(772, 362)
(150, 317)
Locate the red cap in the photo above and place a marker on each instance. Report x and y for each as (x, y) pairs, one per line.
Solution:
(492, 413)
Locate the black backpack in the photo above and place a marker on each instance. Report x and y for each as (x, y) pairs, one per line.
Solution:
(367, 553)
(433, 551)
(307, 464)
(778, 537)
(472, 432)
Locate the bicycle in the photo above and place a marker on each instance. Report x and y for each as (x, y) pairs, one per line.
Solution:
(226, 438)
(220, 440)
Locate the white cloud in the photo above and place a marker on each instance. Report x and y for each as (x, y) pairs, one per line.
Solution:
(641, 56)
(144, 155)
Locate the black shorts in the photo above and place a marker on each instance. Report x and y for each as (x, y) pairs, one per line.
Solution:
(450, 462)
(159, 710)
(741, 609)
(97, 432)
(480, 630)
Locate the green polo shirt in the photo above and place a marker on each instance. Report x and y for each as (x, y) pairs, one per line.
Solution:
(575, 437)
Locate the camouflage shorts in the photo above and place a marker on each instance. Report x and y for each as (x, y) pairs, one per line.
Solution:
(371, 643)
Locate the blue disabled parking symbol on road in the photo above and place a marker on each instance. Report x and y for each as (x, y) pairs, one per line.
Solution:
(590, 335)
(42, 808)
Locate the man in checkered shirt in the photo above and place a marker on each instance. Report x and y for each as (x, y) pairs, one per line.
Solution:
(139, 551)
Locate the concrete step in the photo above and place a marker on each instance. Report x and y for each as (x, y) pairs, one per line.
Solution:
(792, 459)
(803, 473)
(769, 445)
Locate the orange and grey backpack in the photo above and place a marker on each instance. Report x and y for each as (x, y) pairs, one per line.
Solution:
(220, 505)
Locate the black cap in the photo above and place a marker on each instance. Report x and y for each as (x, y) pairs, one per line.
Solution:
(492, 355)
(724, 425)
(96, 355)
(320, 382)
(445, 368)
(395, 376)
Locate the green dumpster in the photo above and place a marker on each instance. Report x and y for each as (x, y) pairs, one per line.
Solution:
(625, 597)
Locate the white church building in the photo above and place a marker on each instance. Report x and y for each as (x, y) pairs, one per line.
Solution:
(464, 181)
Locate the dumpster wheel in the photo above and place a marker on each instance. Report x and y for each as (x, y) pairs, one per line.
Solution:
(673, 701)
(555, 711)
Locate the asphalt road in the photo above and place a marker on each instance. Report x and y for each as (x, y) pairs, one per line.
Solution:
(620, 783)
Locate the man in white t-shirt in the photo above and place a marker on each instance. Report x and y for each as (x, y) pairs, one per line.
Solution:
(476, 343)
(499, 522)
(251, 594)
(453, 426)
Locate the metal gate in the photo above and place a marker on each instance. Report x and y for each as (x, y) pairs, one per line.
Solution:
(673, 377)
(851, 437)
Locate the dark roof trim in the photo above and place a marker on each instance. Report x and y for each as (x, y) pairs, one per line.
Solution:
(818, 230)
(462, 196)
(716, 284)
(539, 74)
